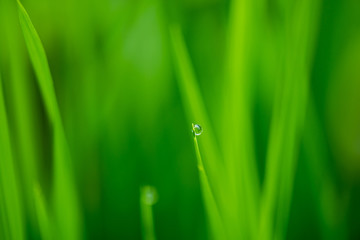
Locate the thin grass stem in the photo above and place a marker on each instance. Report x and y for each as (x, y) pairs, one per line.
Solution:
(213, 210)
(148, 197)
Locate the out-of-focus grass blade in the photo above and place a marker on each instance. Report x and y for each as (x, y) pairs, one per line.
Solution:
(21, 101)
(304, 32)
(42, 214)
(148, 197)
(323, 186)
(65, 197)
(4, 228)
(9, 180)
(239, 145)
(289, 111)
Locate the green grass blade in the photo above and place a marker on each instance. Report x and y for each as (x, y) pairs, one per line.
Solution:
(66, 203)
(148, 197)
(42, 214)
(8, 178)
(196, 113)
(194, 105)
(40, 63)
(193, 102)
(65, 197)
(288, 117)
(239, 145)
(323, 187)
(4, 228)
(21, 102)
(306, 18)
(216, 220)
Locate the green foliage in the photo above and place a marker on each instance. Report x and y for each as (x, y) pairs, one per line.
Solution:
(65, 198)
(97, 99)
(10, 202)
(43, 218)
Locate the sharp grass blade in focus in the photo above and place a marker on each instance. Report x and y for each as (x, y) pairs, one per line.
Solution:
(216, 221)
(192, 98)
(195, 110)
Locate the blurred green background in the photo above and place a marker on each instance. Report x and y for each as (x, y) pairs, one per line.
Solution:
(117, 70)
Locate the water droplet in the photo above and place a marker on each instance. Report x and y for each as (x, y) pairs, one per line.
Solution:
(197, 129)
(149, 195)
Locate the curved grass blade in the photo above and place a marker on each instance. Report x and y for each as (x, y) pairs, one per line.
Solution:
(22, 104)
(40, 64)
(65, 198)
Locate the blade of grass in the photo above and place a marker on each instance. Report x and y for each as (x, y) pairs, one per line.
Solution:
(239, 145)
(9, 179)
(280, 143)
(196, 112)
(287, 122)
(323, 186)
(304, 30)
(22, 103)
(42, 214)
(65, 197)
(4, 228)
(194, 105)
(41, 66)
(148, 197)
(216, 223)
